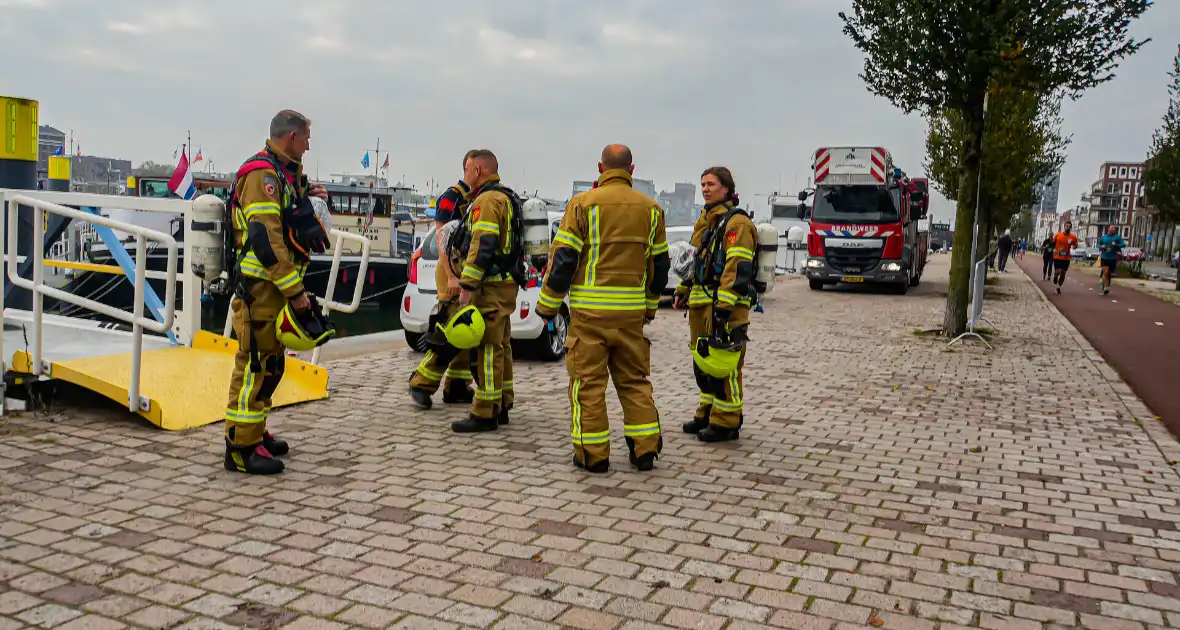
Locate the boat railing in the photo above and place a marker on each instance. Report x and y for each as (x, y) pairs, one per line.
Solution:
(43, 204)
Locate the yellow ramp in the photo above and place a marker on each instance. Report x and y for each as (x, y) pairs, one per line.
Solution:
(187, 387)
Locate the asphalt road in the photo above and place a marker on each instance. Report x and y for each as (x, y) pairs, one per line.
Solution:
(1139, 335)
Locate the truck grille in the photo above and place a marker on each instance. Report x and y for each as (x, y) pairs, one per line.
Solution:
(853, 260)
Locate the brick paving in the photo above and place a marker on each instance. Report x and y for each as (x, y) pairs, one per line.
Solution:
(881, 481)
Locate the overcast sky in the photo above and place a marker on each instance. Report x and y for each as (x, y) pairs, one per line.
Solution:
(755, 85)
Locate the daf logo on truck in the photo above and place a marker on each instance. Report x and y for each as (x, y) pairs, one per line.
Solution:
(867, 218)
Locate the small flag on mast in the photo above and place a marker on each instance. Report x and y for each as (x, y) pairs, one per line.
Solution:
(365, 160)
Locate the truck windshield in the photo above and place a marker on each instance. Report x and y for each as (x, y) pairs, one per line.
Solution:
(855, 204)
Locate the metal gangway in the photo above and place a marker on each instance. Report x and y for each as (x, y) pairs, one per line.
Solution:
(165, 368)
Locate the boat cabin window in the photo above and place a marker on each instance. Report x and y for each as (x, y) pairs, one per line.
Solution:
(789, 211)
(154, 188)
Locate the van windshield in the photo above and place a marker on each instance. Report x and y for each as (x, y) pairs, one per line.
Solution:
(855, 204)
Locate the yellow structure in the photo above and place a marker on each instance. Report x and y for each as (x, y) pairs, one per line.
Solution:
(20, 130)
(185, 386)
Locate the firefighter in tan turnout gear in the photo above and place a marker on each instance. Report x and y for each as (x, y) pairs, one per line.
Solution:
(718, 294)
(493, 269)
(610, 256)
(444, 364)
(275, 231)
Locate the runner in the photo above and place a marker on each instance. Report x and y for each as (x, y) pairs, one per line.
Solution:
(1111, 246)
(1047, 255)
(1063, 242)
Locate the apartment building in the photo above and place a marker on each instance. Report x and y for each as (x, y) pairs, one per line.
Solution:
(1113, 199)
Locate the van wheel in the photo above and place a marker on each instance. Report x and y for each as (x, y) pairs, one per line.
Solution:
(412, 339)
(551, 344)
(815, 285)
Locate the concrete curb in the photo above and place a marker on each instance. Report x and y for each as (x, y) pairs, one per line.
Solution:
(1167, 444)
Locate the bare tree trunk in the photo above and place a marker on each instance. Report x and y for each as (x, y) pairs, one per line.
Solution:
(954, 321)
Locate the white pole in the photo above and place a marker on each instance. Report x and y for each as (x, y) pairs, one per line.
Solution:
(978, 190)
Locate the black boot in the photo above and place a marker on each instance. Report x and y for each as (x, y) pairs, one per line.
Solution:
(502, 418)
(252, 460)
(274, 445)
(715, 433)
(696, 425)
(421, 398)
(473, 424)
(644, 462)
(598, 468)
(458, 393)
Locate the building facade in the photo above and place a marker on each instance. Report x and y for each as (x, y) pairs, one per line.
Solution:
(94, 174)
(1113, 200)
(1047, 190)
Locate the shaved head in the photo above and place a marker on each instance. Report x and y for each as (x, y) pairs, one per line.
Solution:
(616, 156)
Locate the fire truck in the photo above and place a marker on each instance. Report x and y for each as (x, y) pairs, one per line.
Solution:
(867, 220)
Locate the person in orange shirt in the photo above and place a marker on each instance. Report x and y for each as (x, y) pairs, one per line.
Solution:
(1063, 242)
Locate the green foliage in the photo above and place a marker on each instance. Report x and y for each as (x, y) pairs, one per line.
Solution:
(1022, 144)
(1161, 177)
(149, 169)
(938, 55)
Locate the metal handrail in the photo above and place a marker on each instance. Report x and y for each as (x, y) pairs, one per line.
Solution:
(337, 251)
(39, 289)
(327, 303)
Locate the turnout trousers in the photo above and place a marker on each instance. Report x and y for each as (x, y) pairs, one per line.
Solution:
(437, 367)
(493, 358)
(594, 352)
(720, 399)
(252, 386)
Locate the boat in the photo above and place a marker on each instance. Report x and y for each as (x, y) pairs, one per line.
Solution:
(396, 219)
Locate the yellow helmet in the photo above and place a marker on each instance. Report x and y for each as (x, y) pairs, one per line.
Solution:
(465, 328)
(716, 359)
(303, 331)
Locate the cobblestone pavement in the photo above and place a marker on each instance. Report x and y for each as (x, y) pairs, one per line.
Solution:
(881, 481)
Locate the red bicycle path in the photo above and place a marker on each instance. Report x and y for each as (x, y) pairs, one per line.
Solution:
(1137, 334)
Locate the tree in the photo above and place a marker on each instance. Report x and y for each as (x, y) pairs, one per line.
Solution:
(150, 168)
(935, 55)
(1022, 144)
(1161, 175)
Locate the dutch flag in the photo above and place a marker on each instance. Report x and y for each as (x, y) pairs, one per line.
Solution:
(181, 183)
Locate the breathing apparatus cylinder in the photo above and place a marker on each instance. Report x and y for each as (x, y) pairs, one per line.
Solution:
(207, 227)
(536, 231)
(767, 257)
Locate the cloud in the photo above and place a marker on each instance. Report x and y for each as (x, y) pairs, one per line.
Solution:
(546, 83)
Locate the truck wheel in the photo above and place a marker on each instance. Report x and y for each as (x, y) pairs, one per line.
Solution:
(815, 285)
(915, 279)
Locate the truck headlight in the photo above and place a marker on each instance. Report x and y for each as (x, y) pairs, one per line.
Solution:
(814, 263)
(891, 266)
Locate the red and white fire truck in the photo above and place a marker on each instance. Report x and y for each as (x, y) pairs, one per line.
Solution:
(866, 220)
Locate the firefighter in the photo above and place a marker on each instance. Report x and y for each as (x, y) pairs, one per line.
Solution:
(493, 270)
(275, 231)
(718, 295)
(610, 255)
(444, 362)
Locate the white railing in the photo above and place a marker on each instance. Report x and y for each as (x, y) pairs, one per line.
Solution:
(327, 302)
(39, 289)
(337, 251)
